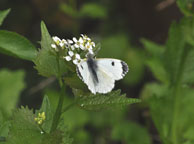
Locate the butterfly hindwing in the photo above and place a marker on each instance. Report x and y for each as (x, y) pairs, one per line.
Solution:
(100, 74)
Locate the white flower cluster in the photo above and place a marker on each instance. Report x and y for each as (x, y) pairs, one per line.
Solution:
(73, 46)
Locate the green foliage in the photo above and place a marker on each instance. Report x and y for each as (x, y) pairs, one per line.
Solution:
(93, 10)
(46, 62)
(172, 101)
(4, 127)
(186, 6)
(16, 45)
(69, 10)
(114, 46)
(155, 62)
(24, 130)
(11, 85)
(102, 101)
(134, 59)
(3, 15)
(46, 107)
(130, 133)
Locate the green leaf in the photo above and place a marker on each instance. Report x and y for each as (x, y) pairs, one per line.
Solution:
(188, 29)
(153, 48)
(135, 60)
(24, 130)
(69, 10)
(11, 86)
(154, 60)
(4, 126)
(171, 103)
(178, 56)
(129, 132)
(114, 46)
(186, 6)
(75, 82)
(3, 15)
(16, 45)
(46, 107)
(46, 62)
(99, 101)
(93, 10)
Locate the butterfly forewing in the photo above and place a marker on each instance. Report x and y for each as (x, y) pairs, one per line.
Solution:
(84, 74)
(115, 67)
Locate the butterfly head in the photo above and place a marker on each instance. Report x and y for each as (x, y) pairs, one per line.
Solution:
(90, 55)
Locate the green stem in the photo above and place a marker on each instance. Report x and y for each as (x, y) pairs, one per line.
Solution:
(176, 94)
(57, 115)
(175, 114)
(68, 107)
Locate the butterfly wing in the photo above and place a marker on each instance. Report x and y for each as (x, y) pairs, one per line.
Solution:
(105, 81)
(107, 71)
(85, 75)
(116, 67)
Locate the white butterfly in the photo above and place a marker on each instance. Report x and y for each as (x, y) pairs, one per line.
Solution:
(100, 74)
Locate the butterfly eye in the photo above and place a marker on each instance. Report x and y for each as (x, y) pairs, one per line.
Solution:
(113, 63)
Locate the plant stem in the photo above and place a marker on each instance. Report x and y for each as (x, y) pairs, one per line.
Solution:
(57, 115)
(176, 94)
(68, 107)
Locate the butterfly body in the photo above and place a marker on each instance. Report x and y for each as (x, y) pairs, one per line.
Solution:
(101, 74)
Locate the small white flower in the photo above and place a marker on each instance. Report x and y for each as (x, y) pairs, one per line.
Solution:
(78, 42)
(53, 46)
(70, 53)
(70, 41)
(82, 47)
(77, 56)
(61, 44)
(68, 58)
(76, 45)
(64, 41)
(85, 37)
(88, 45)
(74, 39)
(56, 39)
(72, 47)
(93, 44)
(75, 61)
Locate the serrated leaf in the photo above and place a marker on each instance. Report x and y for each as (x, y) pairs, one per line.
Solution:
(24, 130)
(93, 10)
(16, 45)
(100, 101)
(179, 55)
(3, 15)
(46, 107)
(11, 86)
(47, 63)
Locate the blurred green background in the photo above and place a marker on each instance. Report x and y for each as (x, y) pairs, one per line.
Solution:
(119, 26)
